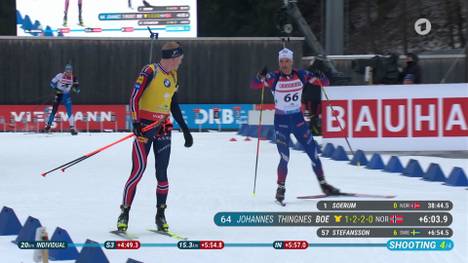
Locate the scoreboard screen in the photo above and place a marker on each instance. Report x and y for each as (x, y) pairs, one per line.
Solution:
(106, 18)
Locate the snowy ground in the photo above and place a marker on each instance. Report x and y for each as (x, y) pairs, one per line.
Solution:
(214, 175)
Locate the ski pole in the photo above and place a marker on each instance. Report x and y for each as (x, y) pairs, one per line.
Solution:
(336, 117)
(65, 166)
(258, 140)
(153, 36)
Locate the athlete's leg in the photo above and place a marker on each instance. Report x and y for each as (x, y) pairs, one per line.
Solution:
(304, 137)
(67, 2)
(80, 17)
(55, 105)
(68, 105)
(162, 152)
(141, 147)
(65, 12)
(282, 133)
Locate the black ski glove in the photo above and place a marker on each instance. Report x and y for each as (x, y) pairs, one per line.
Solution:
(262, 74)
(188, 139)
(264, 71)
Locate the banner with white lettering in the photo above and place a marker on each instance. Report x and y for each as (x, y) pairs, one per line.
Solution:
(107, 117)
(214, 116)
(87, 117)
(426, 117)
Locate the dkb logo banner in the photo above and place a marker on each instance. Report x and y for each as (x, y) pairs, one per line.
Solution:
(215, 116)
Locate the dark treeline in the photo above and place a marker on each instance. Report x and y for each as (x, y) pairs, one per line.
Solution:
(371, 26)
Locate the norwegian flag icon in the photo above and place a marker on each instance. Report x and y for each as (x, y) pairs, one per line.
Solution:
(396, 219)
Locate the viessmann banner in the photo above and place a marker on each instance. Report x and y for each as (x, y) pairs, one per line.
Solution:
(33, 117)
(427, 117)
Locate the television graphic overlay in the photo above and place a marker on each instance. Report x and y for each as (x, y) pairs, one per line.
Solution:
(106, 18)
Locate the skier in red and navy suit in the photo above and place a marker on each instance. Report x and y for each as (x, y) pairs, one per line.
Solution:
(154, 98)
(286, 85)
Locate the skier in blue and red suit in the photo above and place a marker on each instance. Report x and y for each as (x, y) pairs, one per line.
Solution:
(286, 85)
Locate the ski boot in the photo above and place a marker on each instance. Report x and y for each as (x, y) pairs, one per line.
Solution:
(73, 131)
(122, 221)
(280, 193)
(329, 189)
(46, 129)
(80, 21)
(65, 21)
(160, 218)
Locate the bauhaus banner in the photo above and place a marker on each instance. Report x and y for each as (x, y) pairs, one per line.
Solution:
(430, 117)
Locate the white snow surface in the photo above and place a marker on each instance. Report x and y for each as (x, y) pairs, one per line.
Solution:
(214, 175)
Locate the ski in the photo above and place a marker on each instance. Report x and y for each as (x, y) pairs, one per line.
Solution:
(346, 194)
(168, 234)
(124, 234)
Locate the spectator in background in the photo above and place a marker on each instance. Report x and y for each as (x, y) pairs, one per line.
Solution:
(412, 72)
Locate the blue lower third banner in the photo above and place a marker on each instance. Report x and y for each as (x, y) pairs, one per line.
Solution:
(215, 116)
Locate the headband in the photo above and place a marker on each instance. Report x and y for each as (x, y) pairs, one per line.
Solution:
(172, 53)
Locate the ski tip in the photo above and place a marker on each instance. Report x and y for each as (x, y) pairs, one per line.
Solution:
(280, 203)
(124, 234)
